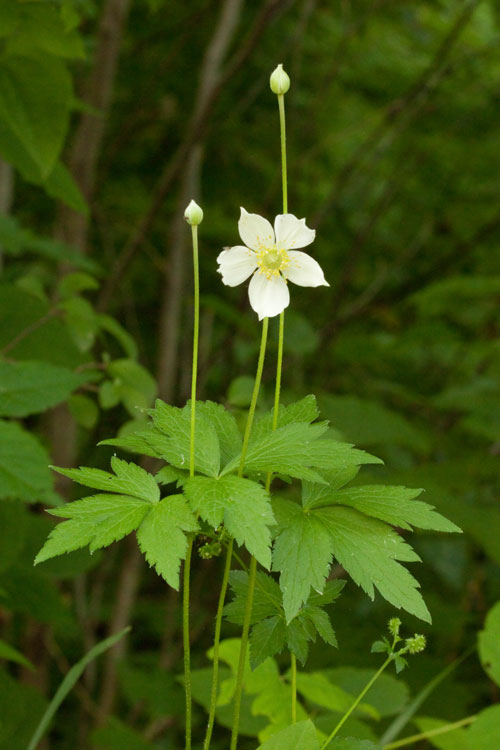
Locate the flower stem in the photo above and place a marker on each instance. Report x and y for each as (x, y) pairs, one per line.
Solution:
(243, 652)
(255, 394)
(196, 335)
(187, 562)
(281, 105)
(356, 702)
(294, 688)
(218, 625)
(430, 733)
(253, 563)
(186, 643)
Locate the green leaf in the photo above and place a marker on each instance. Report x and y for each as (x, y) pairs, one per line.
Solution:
(241, 505)
(35, 97)
(115, 735)
(313, 493)
(69, 682)
(11, 654)
(84, 410)
(298, 639)
(304, 410)
(113, 327)
(40, 25)
(300, 736)
(394, 505)
(318, 689)
(173, 441)
(266, 598)
(330, 593)
(129, 479)
(137, 388)
(81, 320)
(387, 695)
(322, 624)
(169, 474)
(27, 320)
(294, 448)
(24, 470)
(97, 521)
(489, 644)
(32, 387)
(225, 426)
(485, 731)
(162, 539)
(368, 550)
(350, 743)
(303, 555)
(267, 638)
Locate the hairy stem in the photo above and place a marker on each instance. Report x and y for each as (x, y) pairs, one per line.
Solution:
(218, 625)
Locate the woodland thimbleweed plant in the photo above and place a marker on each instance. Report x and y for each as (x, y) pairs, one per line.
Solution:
(219, 497)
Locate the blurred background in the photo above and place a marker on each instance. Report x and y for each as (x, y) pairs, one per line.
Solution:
(113, 115)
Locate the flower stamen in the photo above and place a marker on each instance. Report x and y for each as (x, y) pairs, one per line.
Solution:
(271, 261)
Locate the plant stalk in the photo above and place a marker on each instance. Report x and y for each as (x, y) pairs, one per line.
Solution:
(430, 733)
(187, 562)
(356, 703)
(253, 563)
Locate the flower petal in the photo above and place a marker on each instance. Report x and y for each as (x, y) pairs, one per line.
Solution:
(255, 231)
(236, 264)
(268, 297)
(304, 270)
(292, 232)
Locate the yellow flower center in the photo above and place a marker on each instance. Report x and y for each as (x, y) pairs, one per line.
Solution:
(271, 261)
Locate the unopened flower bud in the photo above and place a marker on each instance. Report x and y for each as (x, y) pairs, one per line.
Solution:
(193, 214)
(394, 625)
(279, 81)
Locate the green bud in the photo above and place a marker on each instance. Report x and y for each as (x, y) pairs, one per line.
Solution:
(279, 81)
(193, 214)
(394, 625)
(205, 552)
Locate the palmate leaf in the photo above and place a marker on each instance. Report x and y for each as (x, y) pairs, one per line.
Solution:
(266, 598)
(367, 548)
(129, 479)
(297, 450)
(268, 636)
(305, 410)
(162, 539)
(302, 553)
(225, 426)
(394, 505)
(97, 521)
(173, 444)
(241, 505)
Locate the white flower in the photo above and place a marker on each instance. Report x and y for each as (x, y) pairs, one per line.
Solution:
(270, 256)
